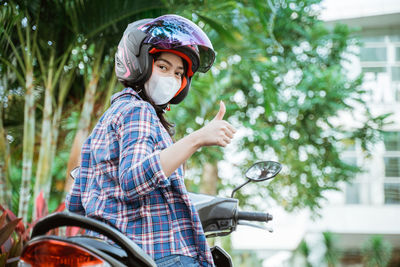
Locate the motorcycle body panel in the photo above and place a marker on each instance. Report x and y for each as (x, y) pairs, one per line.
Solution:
(221, 257)
(216, 213)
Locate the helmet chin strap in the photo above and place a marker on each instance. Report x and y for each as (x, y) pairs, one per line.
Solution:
(164, 108)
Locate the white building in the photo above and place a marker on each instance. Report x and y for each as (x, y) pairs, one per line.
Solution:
(371, 205)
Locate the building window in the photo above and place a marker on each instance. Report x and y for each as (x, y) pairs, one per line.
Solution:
(373, 54)
(352, 189)
(353, 193)
(392, 167)
(380, 64)
(395, 74)
(398, 53)
(392, 193)
(392, 141)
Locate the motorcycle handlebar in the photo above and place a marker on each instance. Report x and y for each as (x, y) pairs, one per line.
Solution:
(254, 216)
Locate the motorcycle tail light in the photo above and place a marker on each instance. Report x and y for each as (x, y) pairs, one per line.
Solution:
(51, 253)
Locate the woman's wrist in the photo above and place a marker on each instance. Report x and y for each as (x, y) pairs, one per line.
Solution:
(195, 139)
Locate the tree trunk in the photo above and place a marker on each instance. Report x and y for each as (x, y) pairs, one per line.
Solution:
(5, 191)
(109, 91)
(209, 180)
(5, 156)
(65, 85)
(86, 115)
(208, 185)
(28, 145)
(74, 157)
(83, 129)
(43, 173)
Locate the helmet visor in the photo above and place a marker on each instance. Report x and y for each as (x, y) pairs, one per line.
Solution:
(173, 31)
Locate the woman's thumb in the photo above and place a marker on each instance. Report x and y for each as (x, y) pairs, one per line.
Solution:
(221, 112)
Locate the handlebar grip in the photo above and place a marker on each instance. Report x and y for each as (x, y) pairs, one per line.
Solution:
(254, 216)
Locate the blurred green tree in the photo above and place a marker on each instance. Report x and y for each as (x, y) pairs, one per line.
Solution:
(279, 70)
(19, 40)
(47, 45)
(301, 255)
(376, 252)
(332, 254)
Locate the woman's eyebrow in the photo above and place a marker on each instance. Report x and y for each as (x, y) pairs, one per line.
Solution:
(169, 63)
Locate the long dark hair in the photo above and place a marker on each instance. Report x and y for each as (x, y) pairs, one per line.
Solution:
(160, 110)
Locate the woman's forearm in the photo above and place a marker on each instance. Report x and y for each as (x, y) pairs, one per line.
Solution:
(175, 155)
(216, 133)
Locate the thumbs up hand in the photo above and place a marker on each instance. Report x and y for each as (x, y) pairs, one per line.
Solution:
(221, 112)
(217, 132)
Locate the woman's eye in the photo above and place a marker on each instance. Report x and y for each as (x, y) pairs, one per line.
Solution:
(162, 67)
(179, 74)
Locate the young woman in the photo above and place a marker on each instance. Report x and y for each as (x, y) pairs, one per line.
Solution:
(131, 173)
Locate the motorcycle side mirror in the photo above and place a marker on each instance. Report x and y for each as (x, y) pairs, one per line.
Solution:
(260, 171)
(263, 170)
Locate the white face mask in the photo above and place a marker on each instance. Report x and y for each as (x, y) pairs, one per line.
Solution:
(161, 89)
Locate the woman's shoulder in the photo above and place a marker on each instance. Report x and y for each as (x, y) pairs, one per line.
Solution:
(137, 106)
(132, 110)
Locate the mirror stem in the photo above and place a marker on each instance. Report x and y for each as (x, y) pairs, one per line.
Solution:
(240, 186)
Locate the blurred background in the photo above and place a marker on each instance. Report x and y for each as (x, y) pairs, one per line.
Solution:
(312, 84)
(361, 221)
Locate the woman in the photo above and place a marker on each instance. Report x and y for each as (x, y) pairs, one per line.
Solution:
(131, 174)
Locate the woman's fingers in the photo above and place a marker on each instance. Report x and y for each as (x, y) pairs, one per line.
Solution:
(231, 128)
(224, 142)
(225, 131)
(227, 140)
(226, 136)
(228, 129)
(228, 132)
(217, 132)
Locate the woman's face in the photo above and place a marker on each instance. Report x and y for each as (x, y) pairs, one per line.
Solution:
(169, 64)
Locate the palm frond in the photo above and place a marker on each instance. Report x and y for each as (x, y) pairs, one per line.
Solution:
(88, 19)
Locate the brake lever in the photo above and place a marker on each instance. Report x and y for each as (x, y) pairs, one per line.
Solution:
(269, 229)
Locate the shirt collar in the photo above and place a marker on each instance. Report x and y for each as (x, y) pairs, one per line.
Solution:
(125, 92)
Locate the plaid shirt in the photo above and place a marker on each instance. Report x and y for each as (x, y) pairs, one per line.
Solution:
(121, 182)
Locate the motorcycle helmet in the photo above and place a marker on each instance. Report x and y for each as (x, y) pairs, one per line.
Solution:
(169, 33)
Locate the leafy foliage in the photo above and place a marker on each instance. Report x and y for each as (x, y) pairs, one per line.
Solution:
(10, 247)
(283, 83)
(278, 69)
(304, 251)
(376, 252)
(332, 254)
(73, 43)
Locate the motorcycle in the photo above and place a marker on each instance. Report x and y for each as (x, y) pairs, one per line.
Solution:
(219, 217)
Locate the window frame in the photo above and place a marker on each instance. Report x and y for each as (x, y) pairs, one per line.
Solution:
(391, 179)
(392, 61)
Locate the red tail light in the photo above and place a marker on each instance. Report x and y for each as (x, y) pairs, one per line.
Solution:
(51, 253)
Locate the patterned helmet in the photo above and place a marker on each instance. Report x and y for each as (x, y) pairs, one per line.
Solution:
(168, 33)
